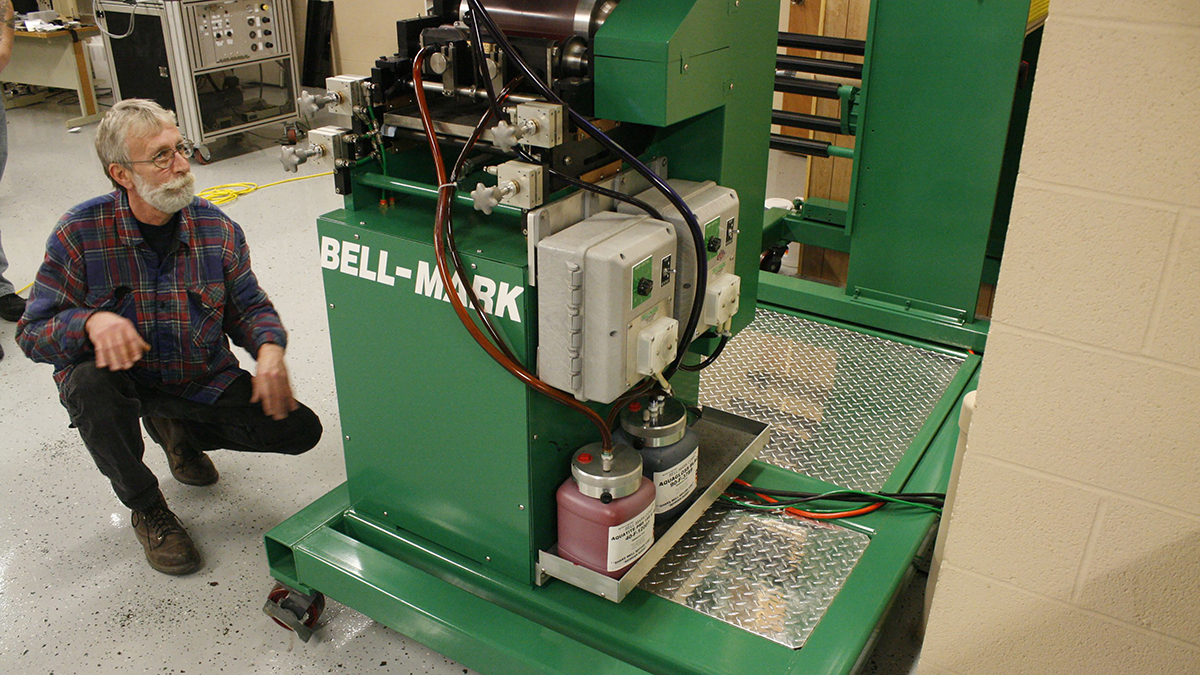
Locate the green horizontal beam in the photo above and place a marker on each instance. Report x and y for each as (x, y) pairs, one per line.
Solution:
(430, 192)
(831, 301)
(815, 233)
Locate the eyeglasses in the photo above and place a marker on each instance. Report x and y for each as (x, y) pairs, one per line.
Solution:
(164, 158)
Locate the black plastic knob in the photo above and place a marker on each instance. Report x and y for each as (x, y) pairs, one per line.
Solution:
(714, 244)
(270, 45)
(644, 286)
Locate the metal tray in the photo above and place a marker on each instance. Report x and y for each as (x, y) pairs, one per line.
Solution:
(728, 443)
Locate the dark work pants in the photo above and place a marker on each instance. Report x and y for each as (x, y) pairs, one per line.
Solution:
(106, 407)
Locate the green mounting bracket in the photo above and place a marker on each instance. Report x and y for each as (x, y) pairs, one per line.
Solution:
(824, 211)
(849, 96)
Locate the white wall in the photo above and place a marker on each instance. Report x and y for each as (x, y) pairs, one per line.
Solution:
(1074, 546)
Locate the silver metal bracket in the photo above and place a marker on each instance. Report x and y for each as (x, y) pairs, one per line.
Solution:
(290, 611)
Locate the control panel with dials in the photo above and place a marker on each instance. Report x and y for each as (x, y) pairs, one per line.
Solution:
(230, 31)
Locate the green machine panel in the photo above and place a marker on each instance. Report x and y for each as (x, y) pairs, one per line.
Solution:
(931, 140)
(439, 440)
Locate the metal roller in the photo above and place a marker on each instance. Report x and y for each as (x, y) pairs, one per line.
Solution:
(552, 19)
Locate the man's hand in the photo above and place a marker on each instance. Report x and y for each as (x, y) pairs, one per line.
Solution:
(116, 340)
(271, 385)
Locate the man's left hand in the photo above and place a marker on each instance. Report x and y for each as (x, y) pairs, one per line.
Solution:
(271, 385)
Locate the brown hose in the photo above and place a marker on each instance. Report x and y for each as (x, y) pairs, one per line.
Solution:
(445, 194)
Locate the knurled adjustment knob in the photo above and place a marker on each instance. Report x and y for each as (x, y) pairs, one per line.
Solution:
(485, 198)
(505, 135)
(714, 244)
(644, 286)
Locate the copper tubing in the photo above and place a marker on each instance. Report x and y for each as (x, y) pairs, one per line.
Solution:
(458, 264)
(445, 191)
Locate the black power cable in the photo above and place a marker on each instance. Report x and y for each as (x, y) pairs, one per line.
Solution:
(709, 361)
(605, 192)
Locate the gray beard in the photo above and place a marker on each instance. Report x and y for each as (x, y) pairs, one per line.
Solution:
(168, 197)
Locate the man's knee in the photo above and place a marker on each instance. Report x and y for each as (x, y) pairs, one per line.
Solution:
(97, 389)
(306, 430)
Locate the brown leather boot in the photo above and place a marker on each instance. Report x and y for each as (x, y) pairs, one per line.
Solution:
(188, 465)
(169, 549)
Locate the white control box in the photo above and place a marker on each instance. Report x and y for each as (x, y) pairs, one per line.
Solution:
(605, 304)
(716, 210)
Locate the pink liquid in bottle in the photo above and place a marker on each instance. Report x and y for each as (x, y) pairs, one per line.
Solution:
(607, 538)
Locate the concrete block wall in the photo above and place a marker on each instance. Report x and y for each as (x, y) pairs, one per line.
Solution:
(364, 30)
(1074, 546)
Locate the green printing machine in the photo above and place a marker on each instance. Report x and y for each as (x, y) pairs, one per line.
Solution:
(445, 529)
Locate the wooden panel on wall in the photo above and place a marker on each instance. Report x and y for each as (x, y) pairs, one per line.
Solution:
(804, 16)
(829, 177)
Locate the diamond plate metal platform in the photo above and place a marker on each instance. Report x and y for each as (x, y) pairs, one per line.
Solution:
(765, 573)
(843, 406)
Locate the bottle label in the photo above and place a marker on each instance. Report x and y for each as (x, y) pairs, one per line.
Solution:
(676, 483)
(629, 540)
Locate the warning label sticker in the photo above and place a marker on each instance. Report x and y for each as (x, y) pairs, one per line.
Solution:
(676, 483)
(628, 541)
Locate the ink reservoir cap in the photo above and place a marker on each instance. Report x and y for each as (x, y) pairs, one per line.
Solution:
(656, 419)
(622, 479)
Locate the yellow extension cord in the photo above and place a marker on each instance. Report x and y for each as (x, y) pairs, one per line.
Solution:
(228, 193)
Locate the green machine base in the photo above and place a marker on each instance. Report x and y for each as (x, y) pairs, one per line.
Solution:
(497, 625)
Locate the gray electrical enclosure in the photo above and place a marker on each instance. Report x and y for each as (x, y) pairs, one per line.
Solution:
(605, 304)
(716, 209)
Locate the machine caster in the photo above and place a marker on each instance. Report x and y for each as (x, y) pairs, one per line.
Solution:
(291, 135)
(203, 155)
(294, 610)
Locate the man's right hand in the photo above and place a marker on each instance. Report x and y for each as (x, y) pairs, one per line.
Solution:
(116, 340)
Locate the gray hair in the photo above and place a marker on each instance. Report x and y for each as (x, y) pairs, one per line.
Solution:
(129, 117)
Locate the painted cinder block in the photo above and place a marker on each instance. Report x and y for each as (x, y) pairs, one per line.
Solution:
(1062, 275)
(1114, 110)
(1020, 528)
(981, 627)
(1174, 337)
(1178, 12)
(925, 668)
(1116, 423)
(1145, 569)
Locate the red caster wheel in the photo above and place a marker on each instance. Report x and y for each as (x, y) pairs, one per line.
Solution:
(203, 155)
(294, 610)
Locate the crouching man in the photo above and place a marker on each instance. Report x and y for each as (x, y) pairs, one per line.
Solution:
(133, 304)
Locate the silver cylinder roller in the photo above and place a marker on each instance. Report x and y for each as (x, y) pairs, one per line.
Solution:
(552, 19)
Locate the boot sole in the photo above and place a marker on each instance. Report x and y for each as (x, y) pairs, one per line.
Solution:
(196, 483)
(177, 570)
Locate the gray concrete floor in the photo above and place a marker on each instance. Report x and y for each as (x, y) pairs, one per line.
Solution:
(76, 595)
